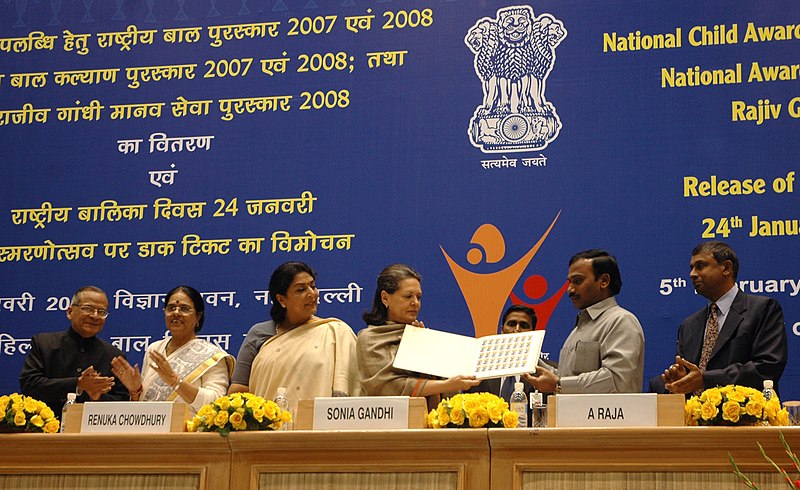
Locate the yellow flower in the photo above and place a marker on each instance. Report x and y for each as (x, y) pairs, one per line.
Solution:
(191, 425)
(708, 410)
(479, 417)
(433, 420)
(221, 419)
(692, 408)
(731, 411)
(270, 410)
(30, 405)
(252, 402)
(495, 411)
(510, 420)
(52, 426)
(223, 403)
(444, 418)
(285, 416)
(237, 421)
(37, 421)
(737, 396)
(712, 395)
(46, 413)
(237, 401)
(754, 408)
(772, 407)
(206, 410)
(258, 414)
(19, 418)
(457, 416)
(469, 404)
(782, 418)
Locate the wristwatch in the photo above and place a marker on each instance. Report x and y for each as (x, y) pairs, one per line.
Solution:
(558, 386)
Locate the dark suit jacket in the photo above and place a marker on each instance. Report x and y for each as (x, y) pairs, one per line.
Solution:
(56, 360)
(751, 347)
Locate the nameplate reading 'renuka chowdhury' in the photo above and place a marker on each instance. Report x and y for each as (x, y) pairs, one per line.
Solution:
(360, 413)
(129, 417)
(607, 410)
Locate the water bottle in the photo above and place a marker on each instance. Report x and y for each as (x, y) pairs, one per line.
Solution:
(283, 403)
(769, 391)
(71, 397)
(519, 404)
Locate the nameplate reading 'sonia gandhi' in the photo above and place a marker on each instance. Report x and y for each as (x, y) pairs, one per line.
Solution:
(359, 413)
(612, 410)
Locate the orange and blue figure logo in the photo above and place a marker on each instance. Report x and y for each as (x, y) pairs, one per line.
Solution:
(486, 293)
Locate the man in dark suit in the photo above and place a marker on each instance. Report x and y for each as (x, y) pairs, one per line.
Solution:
(517, 318)
(737, 339)
(74, 360)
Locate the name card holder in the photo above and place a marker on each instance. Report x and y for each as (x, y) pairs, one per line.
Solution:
(127, 417)
(361, 413)
(616, 410)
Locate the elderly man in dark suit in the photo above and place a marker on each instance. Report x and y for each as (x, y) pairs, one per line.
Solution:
(737, 339)
(75, 360)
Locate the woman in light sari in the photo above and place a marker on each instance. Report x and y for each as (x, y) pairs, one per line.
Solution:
(309, 356)
(181, 367)
(397, 301)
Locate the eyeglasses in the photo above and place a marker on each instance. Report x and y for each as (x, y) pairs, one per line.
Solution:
(185, 310)
(91, 310)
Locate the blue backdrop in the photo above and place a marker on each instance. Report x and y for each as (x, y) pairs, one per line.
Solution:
(149, 144)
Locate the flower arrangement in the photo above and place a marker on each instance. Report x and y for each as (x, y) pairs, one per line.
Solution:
(472, 410)
(793, 483)
(734, 405)
(25, 414)
(238, 411)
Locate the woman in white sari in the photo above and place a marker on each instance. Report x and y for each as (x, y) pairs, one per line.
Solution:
(309, 356)
(181, 367)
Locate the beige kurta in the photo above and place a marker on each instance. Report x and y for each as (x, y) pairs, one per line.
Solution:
(312, 360)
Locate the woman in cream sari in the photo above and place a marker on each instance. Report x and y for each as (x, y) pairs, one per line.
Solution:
(309, 356)
(397, 301)
(181, 367)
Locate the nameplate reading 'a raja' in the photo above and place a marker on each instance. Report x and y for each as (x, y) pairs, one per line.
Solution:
(608, 410)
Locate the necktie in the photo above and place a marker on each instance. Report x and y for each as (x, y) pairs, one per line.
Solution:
(507, 389)
(712, 332)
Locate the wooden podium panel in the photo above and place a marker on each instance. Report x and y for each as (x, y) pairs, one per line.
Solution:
(103, 461)
(672, 458)
(455, 459)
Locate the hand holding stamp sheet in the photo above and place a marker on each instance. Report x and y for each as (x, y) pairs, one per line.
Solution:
(446, 354)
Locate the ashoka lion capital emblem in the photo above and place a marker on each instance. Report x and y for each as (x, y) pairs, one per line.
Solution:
(514, 54)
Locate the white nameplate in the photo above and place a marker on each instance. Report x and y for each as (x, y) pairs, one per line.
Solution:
(130, 417)
(612, 410)
(360, 413)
